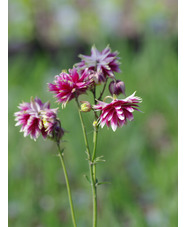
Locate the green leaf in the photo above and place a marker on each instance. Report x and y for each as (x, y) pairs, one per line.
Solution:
(87, 178)
(106, 182)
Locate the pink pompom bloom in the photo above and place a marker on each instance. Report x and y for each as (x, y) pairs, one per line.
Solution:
(37, 118)
(103, 63)
(68, 86)
(116, 113)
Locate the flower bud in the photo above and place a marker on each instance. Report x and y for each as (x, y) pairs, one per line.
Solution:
(85, 106)
(95, 124)
(117, 87)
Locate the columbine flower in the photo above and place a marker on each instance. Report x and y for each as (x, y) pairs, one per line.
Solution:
(68, 86)
(116, 113)
(117, 87)
(37, 118)
(103, 63)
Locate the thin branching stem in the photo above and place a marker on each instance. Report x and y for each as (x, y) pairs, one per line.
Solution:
(100, 97)
(91, 166)
(67, 185)
(95, 136)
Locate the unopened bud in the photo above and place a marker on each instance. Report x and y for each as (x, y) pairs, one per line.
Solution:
(95, 124)
(117, 87)
(85, 106)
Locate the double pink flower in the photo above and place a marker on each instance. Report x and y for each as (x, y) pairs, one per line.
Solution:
(116, 113)
(102, 64)
(70, 85)
(38, 118)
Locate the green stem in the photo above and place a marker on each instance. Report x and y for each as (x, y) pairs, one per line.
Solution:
(95, 142)
(95, 136)
(91, 166)
(94, 177)
(100, 97)
(68, 186)
(84, 131)
(94, 196)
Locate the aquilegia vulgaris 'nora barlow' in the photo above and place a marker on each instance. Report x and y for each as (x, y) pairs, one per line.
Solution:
(70, 85)
(38, 118)
(116, 113)
(101, 64)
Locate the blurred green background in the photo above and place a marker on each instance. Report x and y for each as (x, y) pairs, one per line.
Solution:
(141, 158)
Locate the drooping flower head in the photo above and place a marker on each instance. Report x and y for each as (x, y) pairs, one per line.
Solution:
(38, 118)
(116, 113)
(117, 87)
(70, 85)
(102, 64)
(52, 125)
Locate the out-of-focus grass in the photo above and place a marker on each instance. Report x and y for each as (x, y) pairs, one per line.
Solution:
(141, 158)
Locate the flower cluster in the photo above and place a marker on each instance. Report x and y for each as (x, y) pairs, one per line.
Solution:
(38, 118)
(92, 70)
